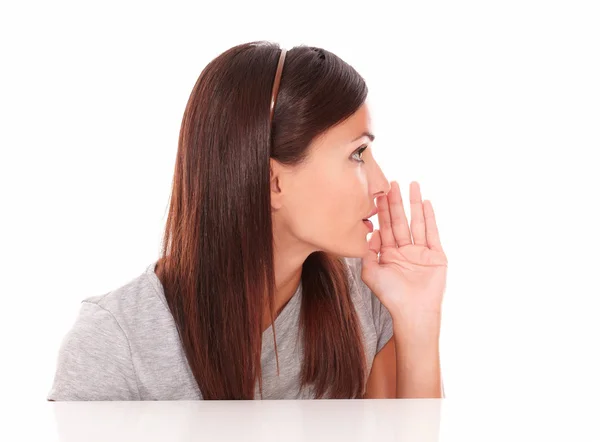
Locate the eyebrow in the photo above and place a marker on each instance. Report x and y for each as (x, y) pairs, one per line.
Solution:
(364, 134)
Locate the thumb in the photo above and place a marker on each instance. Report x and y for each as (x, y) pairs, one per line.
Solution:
(371, 258)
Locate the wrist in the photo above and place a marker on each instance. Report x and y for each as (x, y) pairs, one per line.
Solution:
(419, 327)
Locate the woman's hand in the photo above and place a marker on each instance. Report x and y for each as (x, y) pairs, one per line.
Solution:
(407, 275)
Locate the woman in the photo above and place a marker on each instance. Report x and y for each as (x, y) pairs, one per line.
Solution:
(266, 286)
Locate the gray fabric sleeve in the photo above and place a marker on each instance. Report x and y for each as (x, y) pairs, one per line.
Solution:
(383, 322)
(381, 316)
(94, 361)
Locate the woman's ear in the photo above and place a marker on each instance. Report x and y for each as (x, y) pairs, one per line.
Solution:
(275, 180)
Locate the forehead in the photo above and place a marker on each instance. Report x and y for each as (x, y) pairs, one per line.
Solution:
(346, 132)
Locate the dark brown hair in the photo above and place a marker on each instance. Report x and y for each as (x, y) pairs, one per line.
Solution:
(217, 251)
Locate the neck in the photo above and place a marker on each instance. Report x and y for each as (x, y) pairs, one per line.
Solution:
(283, 294)
(289, 256)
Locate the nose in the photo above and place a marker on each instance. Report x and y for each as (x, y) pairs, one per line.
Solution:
(378, 183)
(383, 186)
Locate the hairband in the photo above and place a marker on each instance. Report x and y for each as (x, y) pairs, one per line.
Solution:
(277, 81)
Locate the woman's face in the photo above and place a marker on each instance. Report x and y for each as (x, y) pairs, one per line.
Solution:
(320, 204)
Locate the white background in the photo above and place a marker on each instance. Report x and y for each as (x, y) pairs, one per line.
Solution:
(493, 107)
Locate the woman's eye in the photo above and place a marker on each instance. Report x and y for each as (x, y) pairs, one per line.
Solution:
(359, 152)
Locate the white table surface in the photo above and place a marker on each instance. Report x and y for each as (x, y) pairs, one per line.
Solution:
(424, 420)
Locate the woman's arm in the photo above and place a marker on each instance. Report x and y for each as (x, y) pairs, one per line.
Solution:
(418, 373)
(412, 372)
(382, 380)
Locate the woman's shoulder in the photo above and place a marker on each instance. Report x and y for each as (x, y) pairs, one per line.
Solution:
(135, 295)
(137, 307)
(96, 356)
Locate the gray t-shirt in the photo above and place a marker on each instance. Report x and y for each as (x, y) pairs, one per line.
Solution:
(124, 345)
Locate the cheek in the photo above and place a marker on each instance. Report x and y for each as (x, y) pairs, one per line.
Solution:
(329, 206)
(334, 212)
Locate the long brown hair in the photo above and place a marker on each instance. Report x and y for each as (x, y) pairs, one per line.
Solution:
(217, 250)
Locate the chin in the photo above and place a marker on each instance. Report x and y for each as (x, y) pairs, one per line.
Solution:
(352, 245)
(360, 249)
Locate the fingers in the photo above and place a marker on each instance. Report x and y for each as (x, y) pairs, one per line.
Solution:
(385, 222)
(433, 237)
(375, 242)
(372, 256)
(394, 225)
(417, 219)
(399, 222)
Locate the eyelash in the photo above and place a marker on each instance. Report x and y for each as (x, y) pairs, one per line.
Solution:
(359, 151)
